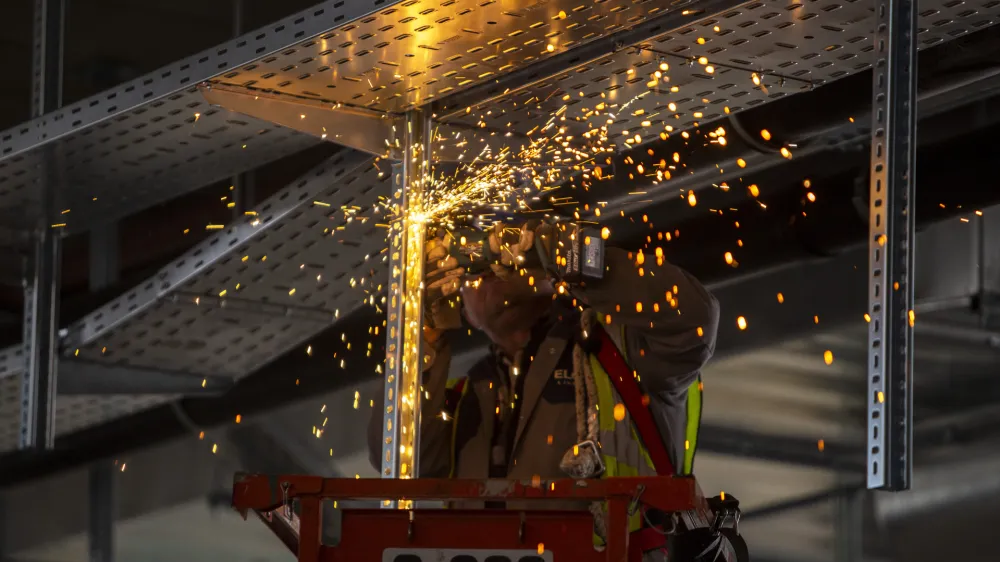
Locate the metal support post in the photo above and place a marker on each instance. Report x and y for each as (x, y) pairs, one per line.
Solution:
(42, 271)
(38, 381)
(890, 337)
(404, 322)
(47, 56)
(101, 526)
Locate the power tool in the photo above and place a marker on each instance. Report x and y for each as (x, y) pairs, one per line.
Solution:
(579, 254)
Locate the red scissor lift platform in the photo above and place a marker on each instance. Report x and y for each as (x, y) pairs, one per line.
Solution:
(369, 535)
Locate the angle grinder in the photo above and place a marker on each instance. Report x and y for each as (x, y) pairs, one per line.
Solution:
(579, 254)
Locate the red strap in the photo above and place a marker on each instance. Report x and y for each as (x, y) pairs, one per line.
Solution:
(627, 387)
(644, 540)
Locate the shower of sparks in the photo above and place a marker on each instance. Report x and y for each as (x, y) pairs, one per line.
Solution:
(576, 143)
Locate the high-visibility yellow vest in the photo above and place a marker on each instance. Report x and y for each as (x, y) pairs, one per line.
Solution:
(622, 450)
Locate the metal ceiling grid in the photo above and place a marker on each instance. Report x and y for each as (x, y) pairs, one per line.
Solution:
(227, 307)
(141, 143)
(417, 51)
(245, 296)
(792, 47)
(141, 158)
(150, 139)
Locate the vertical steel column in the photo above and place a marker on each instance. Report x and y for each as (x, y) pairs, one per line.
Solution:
(404, 322)
(41, 313)
(101, 524)
(42, 270)
(47, 56)
(890, 338)
(243, 193)
(105, 266)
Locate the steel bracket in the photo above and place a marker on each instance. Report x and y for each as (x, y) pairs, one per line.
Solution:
(373, 132)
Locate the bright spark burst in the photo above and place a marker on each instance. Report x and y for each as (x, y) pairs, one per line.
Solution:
(570, 150)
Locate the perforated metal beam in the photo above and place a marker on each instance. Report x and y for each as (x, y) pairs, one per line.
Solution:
(404, 308)
(891, 238)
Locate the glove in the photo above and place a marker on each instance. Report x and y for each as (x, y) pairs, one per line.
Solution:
(564, 251)
(442, 280)
(530, 246)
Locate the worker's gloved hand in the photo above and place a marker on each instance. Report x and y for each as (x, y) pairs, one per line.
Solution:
(530, 245)
(442, 280)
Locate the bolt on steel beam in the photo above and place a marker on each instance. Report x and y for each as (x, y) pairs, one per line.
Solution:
(891, 238)
(404, 316)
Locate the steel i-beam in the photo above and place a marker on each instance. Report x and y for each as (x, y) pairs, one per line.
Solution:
(891, 237)
(404, 304)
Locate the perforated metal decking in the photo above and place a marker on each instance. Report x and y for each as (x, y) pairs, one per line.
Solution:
(498, 64)
(791, 47)
(235, 301)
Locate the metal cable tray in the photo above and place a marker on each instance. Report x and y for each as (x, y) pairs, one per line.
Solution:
(154, 138)
(234, 302)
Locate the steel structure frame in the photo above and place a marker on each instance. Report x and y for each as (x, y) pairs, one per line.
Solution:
(404, 308)
(42, 275)
(287, 58)
(891, 239)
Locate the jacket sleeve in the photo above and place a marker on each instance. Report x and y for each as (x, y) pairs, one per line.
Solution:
(435, 431)
(670, 320)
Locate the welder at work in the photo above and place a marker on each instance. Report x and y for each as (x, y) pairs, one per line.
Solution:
(593, 369)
